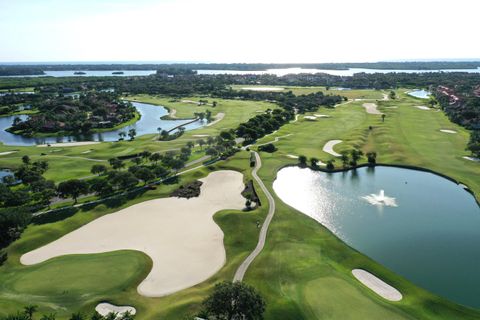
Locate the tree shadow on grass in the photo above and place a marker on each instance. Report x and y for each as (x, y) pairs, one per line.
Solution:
(54, 216)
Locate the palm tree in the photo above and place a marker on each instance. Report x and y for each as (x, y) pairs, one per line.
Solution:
(29, 311)
(344, 158)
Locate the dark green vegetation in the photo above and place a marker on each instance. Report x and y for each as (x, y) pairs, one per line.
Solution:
(230, 301)
(188, 191)
(88, 112)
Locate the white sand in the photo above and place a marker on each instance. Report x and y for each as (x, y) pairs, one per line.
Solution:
(378, 286)
(422, 107)
(105, 308)
(68, 144)
(328, 147)
(263, 88)
(310, 118)
(322, 116)
(179, 235)
(391, 107)
(218, 117)
(88, 151)
(371, 108)
(291, 156)
(472, 159)
(6, 153)
(201, 135)
(448, 131)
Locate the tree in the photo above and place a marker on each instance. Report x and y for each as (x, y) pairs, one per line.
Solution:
(26, 160)
(50, 316)
(314, 162)
(474, 143)
(344, 158)
(132, 133)
(145, 175)
(137, 160)
(72, 188)
(98, 169)
(116, 163)
(77, 316)
(201, 143)
(269, 147)
(190, 144)
(155, 157)
(392, 95)
(302, 160)
(214, 104)
(355, 155)
(234, 301)
(122, 135)
(330, 165)
(100, 186)
(372, 158)
(383, 117)
(29, 311)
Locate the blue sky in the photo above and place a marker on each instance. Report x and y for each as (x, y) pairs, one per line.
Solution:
(237, 31)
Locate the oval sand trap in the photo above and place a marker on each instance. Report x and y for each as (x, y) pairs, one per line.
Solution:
(328, 147)
(105, 308)
(179, 235)
(377, 285)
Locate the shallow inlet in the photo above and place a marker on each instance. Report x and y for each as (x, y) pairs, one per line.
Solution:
(431, 237)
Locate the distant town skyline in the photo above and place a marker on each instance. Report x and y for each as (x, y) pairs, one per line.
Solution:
(247, 31)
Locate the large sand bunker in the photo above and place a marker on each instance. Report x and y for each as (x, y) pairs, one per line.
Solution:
(179, 235)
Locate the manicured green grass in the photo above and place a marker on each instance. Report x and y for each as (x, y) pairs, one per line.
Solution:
(350, 94)
(304, 271)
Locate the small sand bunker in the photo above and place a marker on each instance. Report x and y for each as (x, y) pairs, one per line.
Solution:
(328, 147)
(310, 118)
(218, 118)
(263, 88)
(291, 156)
(371, 108)
(422, 107)
(322, 116)
(448, 131)
(68, 144)
(178, 234)
(378, 286)
(472, 159)
(105, 308)
(201, 135)
(7, 153)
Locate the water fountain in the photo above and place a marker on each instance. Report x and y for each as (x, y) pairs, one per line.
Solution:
(380, 199)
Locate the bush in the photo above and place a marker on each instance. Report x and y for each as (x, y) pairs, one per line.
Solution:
(270, 147)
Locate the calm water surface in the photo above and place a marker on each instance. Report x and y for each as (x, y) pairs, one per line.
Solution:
(148, 123)
(422, 94)
(432, 236)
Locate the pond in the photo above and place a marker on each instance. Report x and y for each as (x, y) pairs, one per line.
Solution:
(422, 94)
(418, 224)
(148, 124)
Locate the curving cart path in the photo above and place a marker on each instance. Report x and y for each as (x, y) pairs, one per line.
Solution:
(240, 273)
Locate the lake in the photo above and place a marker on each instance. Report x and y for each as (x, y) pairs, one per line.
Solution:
(422, 226)
(348, 72)
(92, 73)
(422, 94)
(148, 124)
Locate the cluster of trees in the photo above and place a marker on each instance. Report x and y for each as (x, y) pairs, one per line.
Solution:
(29, 311)
(263, 124)
(68, 114)
(348, 159)
(27, 186)
(474, 143)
